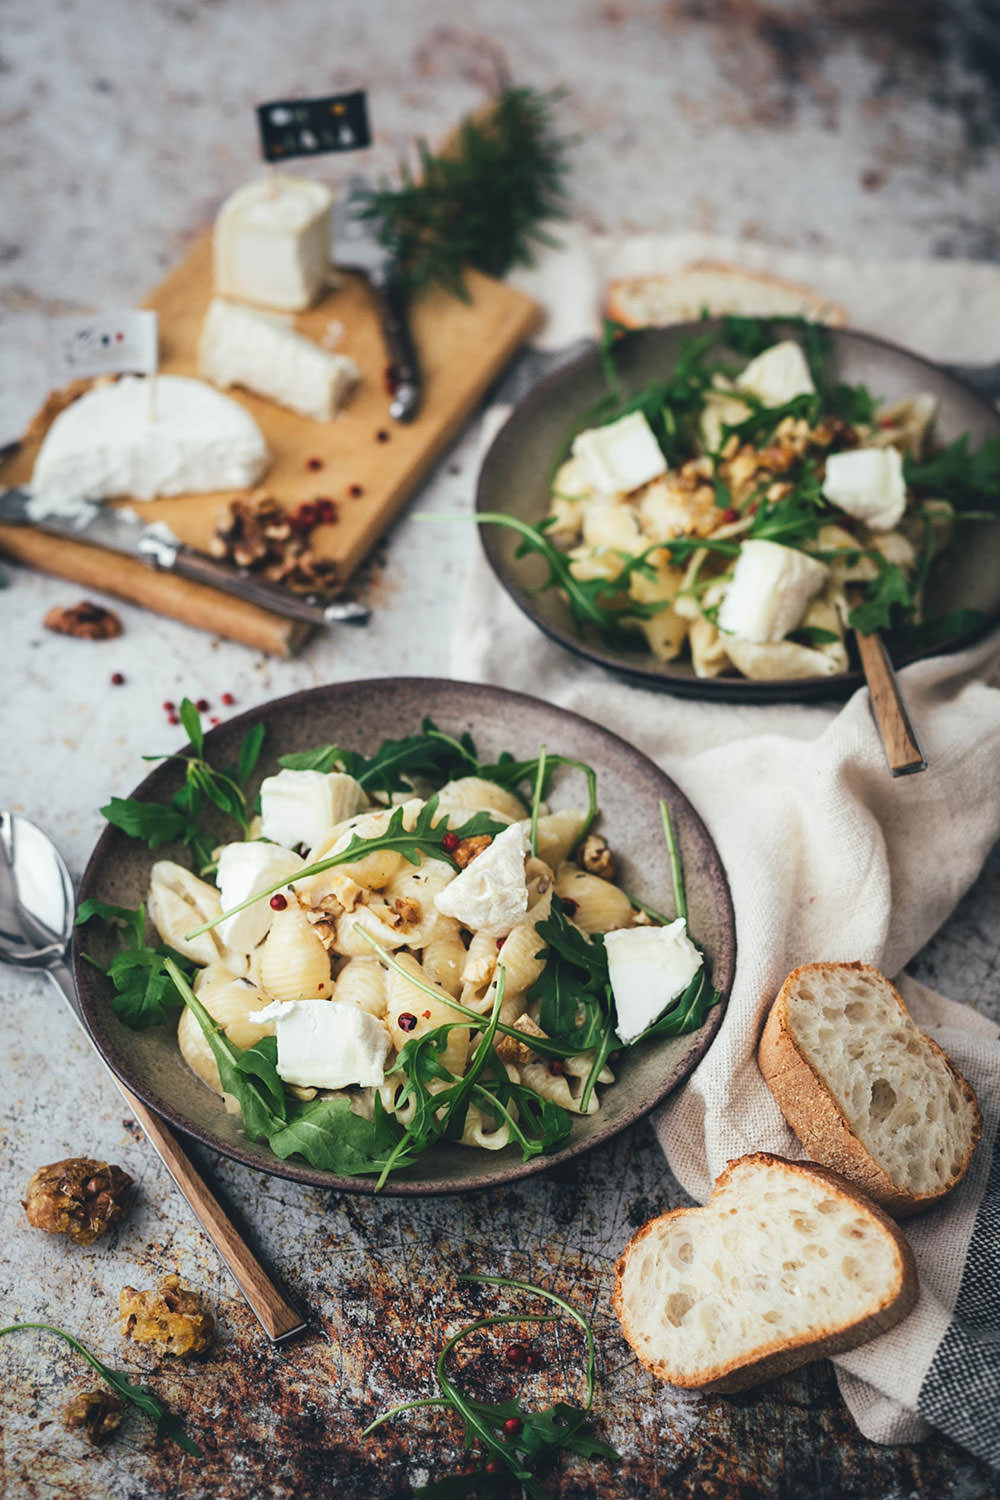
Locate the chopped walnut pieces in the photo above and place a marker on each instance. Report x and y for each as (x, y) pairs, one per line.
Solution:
(509, 1050)
(596, 858)
(86, 621)
(78, 1197)
(255, 532)
(171, 1316)
(407, 910)
(466, 850)
(98, 1413)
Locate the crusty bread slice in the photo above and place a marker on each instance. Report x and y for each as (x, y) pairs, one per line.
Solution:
(785, 1263)
(866, 1092)
(682, 296)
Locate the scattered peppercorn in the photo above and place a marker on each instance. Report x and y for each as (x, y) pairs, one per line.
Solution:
(450, 842)
(391, 378)
(516, 1354)
(215, 719)
(730, 515)
(203, 705)
(314, 464)
(570, 907)
(228, 699)
(556, 1068)
(278, 902)
(492, 1467)
(326, 511)
(118, 678)
(533, 1361)
(168, 707)
(381, 436)
(407, 1021)
(173, 719)
(354, 490)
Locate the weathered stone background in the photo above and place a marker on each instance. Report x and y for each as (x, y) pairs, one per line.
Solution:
(873, 127)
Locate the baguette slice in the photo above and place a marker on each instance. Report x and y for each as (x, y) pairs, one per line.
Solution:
(865, 1091)
(654, 301)
(786, 1263)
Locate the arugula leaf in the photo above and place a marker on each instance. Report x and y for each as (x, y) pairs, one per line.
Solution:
(396, 763)
(249, 754)
(967, 479)
(144, 992)
(191, 720)
(688, 1012)
(149, 821)
(813, 635)
(957, 622)
(852, 403)
(333, 1138)
(517, 1440)
(887, 597)
(576, 1003)
(168, 1425)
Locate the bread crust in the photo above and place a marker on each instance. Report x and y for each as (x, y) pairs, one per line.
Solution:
(779, 1355)
(621, 291)
(817, 1119)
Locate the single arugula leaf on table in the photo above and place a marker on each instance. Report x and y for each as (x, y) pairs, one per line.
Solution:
(144, 991)
(517, 1440)
(167, 1423)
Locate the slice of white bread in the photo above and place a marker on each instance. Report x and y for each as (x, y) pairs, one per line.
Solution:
(682, 296)
(866, 1092)
(784, 1264)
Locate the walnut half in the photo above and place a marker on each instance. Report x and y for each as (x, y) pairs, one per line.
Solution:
(78, 1197)
(596, 858)
(98, 1413)
(86, 620)
(171, 1317)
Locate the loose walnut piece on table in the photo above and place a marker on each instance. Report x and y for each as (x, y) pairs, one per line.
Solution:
(596, 858)
(86, 620)
(99, 1413)
(171, 1317)
(79, 1197)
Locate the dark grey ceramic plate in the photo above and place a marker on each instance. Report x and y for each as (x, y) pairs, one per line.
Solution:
(360, 715)
(515, 475)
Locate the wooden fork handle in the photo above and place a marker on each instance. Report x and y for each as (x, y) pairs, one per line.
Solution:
(899, 740)
(279, 1319)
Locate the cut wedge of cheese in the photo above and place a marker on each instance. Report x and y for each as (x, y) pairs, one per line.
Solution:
(272, 243)
(180, 437)
(239, 346)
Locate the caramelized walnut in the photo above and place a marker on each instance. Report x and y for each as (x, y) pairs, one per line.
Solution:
(86, 621)
(509, 1050)
(171, 1317)
(466, 850)
(79, 1197)
(98, 1413)
(596, 858)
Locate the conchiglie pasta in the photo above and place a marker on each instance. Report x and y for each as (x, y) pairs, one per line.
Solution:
(403, 998)
(558, 834)
(372, 871)
(470, 794)
(599, 906)
(378, 919)
(561, 1088)
(294, 965)
(362, 981)
(411, 893)
(444, 956)
(229, 1004)
(486, 1134)
(522, 945)
(177, 902)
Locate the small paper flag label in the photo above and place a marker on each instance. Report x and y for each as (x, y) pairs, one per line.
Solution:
(310, 127)
(103, 344)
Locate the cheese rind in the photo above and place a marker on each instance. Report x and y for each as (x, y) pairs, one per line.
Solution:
(771, 587)
(272, 243)
(620, 456)
(491, 893)
(778, 375)
(327, 1044)
(239, 346)
(182, 436)
(868, 484)
(648, 967)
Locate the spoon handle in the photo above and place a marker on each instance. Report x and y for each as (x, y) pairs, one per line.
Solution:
(279, 1319)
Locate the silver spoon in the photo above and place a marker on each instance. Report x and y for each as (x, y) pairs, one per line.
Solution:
(37, 905)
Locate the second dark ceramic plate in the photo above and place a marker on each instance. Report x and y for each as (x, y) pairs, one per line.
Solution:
(515, 479)
(359, 715)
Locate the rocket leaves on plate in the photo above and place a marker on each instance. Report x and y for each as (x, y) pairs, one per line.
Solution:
(203, 784)
(517, 1439)
(168, 1425)
(144, 991)
(964, 478)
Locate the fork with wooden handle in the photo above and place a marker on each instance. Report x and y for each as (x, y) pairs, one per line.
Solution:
(899, 740)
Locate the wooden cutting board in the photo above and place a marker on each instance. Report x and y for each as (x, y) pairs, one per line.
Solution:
(365, 462)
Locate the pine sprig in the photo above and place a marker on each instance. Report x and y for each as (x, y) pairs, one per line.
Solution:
(480, 203)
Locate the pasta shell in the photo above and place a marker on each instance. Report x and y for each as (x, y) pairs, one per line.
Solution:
(229, 1004)
(362, 981)
(444, 957)
(371, 871)
(411, 895)
(599, 905)
(294, 965)
(403, 998)
(177, 902)
(470, 794)
(378, 919)
(558, 833)
(563, 1089)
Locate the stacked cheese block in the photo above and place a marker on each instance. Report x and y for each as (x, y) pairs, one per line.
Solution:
(182, 436)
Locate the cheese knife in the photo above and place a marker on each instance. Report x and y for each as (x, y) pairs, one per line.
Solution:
(356, 247)
(156, 545)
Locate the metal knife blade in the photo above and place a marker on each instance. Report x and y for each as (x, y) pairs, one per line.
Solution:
(156, 545)
(356, 247)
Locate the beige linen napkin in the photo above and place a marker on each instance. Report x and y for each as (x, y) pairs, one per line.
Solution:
(828, 857)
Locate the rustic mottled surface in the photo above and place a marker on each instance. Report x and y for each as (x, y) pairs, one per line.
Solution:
(872, 127)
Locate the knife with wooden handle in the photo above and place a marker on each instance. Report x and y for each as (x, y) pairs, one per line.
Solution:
(155, 544)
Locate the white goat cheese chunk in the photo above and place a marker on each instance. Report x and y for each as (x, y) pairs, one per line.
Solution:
(771, 588)
(778, 375)
(174, 437)
(649, 967)
(245, 870)
(272, 243)
(868, 484)
(327, 1044)
(301, 807)
(241, 346)
(491, 893)
(620, 456)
